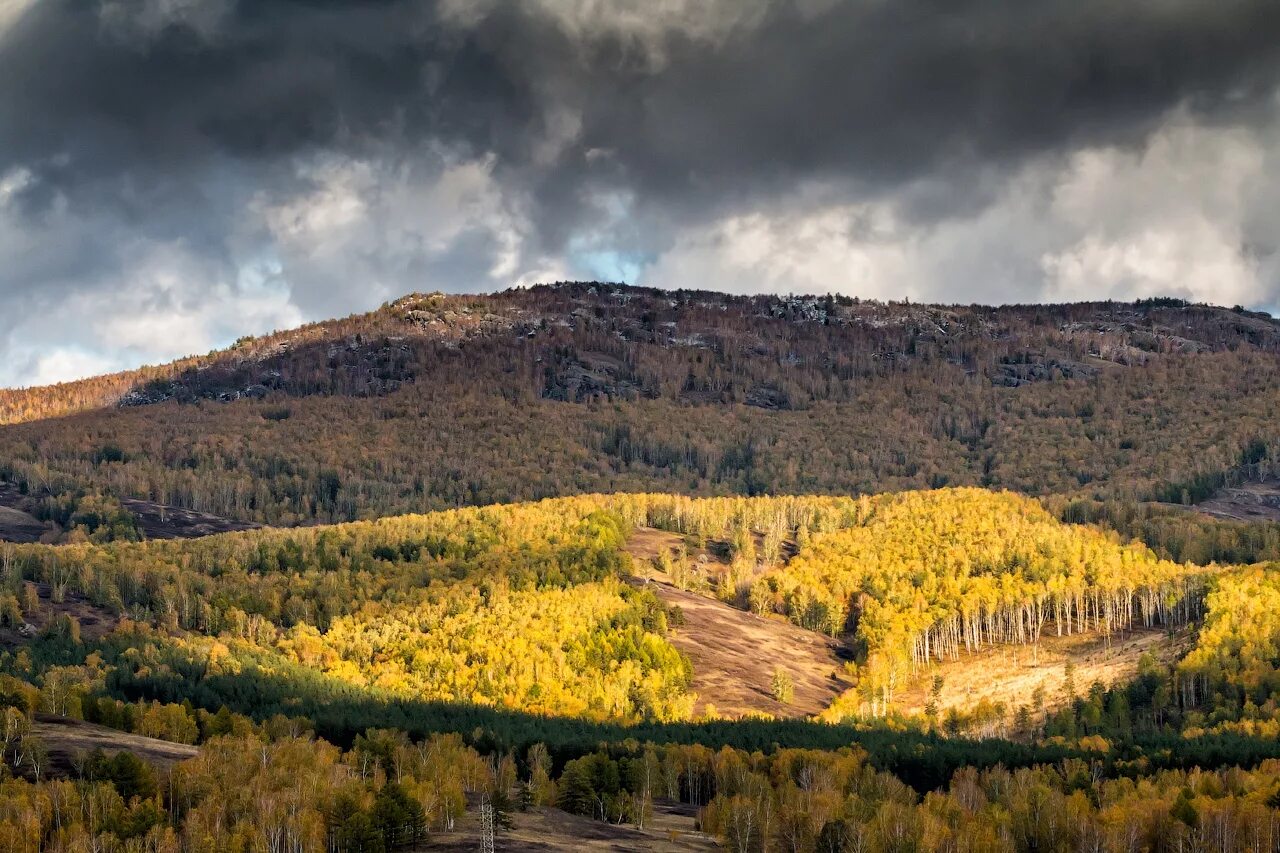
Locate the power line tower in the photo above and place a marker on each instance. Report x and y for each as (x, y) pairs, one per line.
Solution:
(487, 821)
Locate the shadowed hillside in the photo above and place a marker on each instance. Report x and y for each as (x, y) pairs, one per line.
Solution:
(580, 341)
(438, 401)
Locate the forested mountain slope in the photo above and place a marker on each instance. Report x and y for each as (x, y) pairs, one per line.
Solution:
(438, 401)
(581, 341)
(500, 651)
(449, 593)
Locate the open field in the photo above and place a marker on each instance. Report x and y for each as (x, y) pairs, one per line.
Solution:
(671, 830)
(67, 739)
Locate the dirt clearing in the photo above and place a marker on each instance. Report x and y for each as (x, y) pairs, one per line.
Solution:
(734, 653)
(67, 739)
(167, 522)
(1248, 502)
(671, 830)
(1006, 673)
(18, 526)
(646, 543)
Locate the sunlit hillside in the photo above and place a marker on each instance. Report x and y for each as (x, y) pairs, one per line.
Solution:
(539, 630)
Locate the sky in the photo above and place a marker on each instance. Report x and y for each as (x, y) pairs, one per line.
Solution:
(177, 173)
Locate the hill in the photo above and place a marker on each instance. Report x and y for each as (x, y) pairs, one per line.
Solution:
(519, 549)
(469, 400)
(580, 341)
(528, 607)
(387, 674)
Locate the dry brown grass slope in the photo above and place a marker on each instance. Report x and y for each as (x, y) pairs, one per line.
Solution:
(1011, 675)
(670, 830)
(68, 740)
(734, 653)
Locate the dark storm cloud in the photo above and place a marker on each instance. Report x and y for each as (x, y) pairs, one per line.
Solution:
(148, 142)
(872, 93)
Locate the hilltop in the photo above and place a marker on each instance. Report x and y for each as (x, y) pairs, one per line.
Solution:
(581, 341)
(436, 401)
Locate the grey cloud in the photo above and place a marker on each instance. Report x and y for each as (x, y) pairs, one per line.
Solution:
(867, 92)
(625, 126)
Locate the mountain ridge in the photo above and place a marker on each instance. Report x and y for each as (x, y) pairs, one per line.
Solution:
(437, 401)
(406, 339)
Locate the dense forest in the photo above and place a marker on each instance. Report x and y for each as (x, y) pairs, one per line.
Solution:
(577, 388)
(507, 652)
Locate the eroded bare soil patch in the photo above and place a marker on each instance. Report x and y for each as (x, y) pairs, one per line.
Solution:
(734, 653)
(16, 524)
(167, 522)
(1247, 502)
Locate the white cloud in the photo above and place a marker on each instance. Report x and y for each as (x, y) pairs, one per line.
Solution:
(83, 294)
(11, 11)
(1193, 212)
(855, 249)
(368, 231)
(63, 364)
(169, 304)
(1171, 218)
(1192, 260)
(1188, 214)
(361, 231)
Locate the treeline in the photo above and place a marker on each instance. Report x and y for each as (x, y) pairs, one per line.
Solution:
(1257, 462)
(1228, 683)
(496, 652)
(438, 446)
(297, 794)
(1177, 534)
(523, 606)
(520, 606)
(828, 802)
(389, 790)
